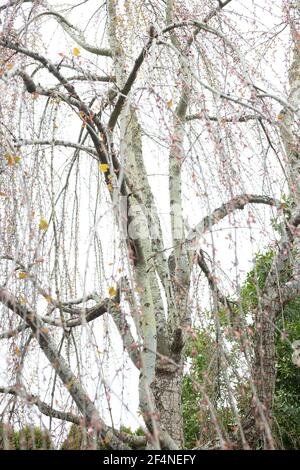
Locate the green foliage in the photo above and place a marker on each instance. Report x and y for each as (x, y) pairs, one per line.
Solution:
(255, 280)
(286, 408)
(137, 432)
(196, 417)
(287, 396)
(32, 438)
(7, 441)
(77, 439)
(286, 205)
(28, 438)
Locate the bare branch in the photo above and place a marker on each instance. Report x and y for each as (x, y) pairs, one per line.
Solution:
(63, 143)
(13, 332)
(136, 442)
(212, 282)
(76, 34)
(13, 3)
(79, 395)
(221, 119)
(237, 203)
(41, 405)
(128, 85)
(92, 77)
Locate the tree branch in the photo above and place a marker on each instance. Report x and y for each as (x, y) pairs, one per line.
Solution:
(79, 395)
(62, 143)
(212, 282)
(136, 442)
(234, 119)
(13, 3)
(76, 34)
(41, 405)
(238, 202)
(128, 85)
(12, 333)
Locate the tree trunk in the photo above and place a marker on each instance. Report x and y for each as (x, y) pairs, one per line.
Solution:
(167, 389)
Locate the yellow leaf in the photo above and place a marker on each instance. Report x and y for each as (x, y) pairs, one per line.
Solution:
(9, 66)
(170, 103)
(17, 351)
(112, 291)
(76, 52)
(23, 300)
(12, 159)
(280, 117)
(43, 225)
(3, 194)
(104, 167)
(23, 275)
(109, 187)
(48, 298)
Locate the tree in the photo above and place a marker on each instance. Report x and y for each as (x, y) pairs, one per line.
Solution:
(138, 109)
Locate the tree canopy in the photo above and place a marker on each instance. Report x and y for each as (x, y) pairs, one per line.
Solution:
(149, 224)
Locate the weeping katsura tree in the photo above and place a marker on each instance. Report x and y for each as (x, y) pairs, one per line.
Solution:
(141, 143)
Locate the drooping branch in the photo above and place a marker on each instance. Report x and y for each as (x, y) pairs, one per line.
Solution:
(212, 282)
(273, 295)
(41, 405)
(236, 203)
(63, 143)
(73, 96)
(13, 3)
(75, 34)
(13, 332)
(91, 119)
(135, 442)
(79, 395)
